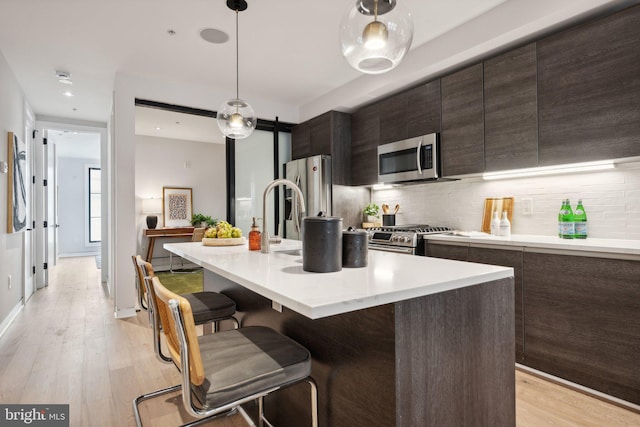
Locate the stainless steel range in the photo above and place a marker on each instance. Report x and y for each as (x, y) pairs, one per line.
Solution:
(406, 239)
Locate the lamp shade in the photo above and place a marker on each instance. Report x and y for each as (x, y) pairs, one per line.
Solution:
(375, 35)
(152, 206)
(236, 119)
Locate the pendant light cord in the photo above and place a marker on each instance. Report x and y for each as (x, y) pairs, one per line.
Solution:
(237, 60)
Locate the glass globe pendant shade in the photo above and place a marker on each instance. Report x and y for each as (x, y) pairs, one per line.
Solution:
(236, 119)
(375, 35)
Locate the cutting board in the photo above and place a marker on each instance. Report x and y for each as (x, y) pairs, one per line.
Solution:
(496, 204)
(224, 242)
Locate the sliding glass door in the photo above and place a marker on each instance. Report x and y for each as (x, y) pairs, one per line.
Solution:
(258, 160)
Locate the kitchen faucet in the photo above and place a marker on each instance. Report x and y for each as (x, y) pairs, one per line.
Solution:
(265, 239)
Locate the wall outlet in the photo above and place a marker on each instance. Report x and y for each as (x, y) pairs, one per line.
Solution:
(10, 285)
(527, 206)
(276, 306)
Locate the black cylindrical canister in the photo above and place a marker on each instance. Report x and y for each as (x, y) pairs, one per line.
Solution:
(355, 245)
(322, 244)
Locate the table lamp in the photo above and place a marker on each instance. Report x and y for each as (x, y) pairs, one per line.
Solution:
(150, 207)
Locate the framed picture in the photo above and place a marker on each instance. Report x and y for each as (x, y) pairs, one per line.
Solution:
(177, 206)
(17, 186)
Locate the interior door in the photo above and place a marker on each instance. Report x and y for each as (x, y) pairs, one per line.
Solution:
(51, 205)
(29, 237)
(42, 235)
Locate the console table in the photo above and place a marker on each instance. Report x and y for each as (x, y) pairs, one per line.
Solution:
(153, 233)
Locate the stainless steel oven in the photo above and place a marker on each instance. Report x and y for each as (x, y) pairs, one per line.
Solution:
(413, 159)
(405, 239)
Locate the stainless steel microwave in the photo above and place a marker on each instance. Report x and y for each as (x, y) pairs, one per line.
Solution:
(412, 159)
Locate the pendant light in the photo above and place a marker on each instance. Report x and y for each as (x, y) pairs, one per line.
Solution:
(236, 118)
(375, 35)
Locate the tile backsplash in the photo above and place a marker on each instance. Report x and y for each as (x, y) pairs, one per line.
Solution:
(611, 199)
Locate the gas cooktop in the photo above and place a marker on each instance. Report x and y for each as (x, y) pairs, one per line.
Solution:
(406, 238)
(413, 228)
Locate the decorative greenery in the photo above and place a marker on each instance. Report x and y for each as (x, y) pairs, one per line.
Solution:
(198, 219)
(372, 210)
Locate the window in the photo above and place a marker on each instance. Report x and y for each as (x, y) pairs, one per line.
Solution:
(95, 218)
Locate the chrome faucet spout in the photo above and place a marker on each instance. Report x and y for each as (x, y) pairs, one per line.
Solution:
(265, 240)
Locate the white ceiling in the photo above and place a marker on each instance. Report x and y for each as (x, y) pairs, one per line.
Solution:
(80, 145)
(289, 49)
(167, 124)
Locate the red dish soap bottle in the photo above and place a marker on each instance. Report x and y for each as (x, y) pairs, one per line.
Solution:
(254, 237)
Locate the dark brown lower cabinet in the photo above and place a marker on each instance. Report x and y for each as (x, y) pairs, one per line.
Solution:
(582, 321)
(483, 255)
(514, 259)
(455, 252)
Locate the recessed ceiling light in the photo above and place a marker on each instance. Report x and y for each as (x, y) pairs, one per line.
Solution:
(157, 128)
(68, 94)
(171, 32)
(213, 35)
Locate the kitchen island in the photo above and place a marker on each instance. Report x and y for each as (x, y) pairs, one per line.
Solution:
(406, 341)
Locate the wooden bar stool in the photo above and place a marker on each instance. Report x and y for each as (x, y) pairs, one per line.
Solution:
(209, 308)
(224, 370)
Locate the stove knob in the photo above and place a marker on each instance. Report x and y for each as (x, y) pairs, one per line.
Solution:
(407, 239)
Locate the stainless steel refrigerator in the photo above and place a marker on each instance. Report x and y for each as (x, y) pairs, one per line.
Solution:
(313, 176)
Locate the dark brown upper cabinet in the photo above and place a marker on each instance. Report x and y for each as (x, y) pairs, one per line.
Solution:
(365, 138)
(462, 138)
(329, 133)
(511, 110)
(300, 141)
(413, 112)
(589, 91)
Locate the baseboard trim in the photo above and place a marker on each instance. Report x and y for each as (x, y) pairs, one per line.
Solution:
(11, 317)
(580, 388)
(125, 313)
(78, 254)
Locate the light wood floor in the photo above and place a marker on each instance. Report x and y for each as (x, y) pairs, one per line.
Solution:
(66, 347)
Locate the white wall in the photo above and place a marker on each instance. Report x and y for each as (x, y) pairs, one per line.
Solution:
(611, 200)
(12, 119)
(73, 239)
(162, 162)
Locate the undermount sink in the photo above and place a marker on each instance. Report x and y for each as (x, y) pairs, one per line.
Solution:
(293, 252)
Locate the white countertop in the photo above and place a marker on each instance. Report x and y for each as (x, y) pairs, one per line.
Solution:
(610, 246)
(388, 278)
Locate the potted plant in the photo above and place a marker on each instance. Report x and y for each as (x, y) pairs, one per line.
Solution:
(372, 212)
(201, 220)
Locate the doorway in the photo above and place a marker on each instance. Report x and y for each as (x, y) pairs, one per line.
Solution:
(69, 200)
(167, 155)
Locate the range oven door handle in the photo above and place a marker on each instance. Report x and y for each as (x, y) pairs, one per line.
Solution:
(394, 249)
(418, 162)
